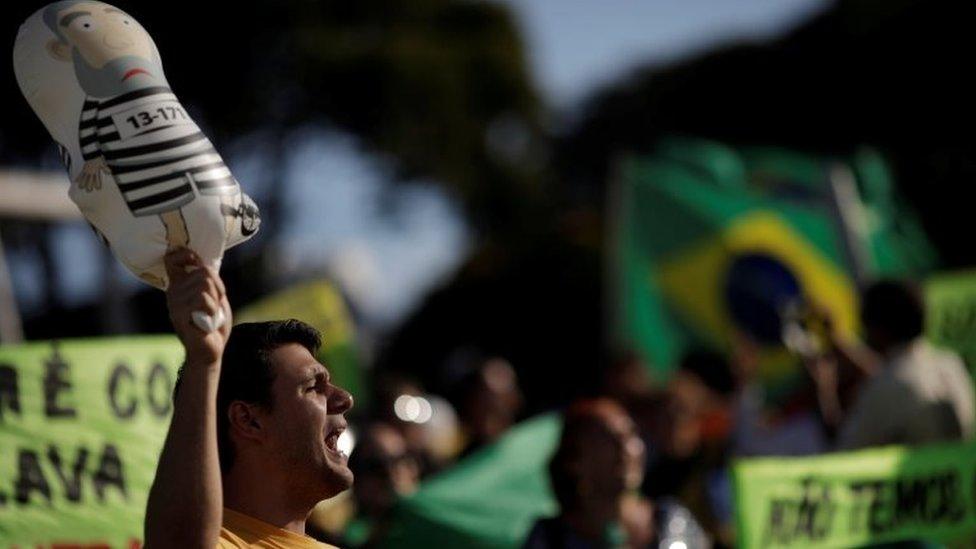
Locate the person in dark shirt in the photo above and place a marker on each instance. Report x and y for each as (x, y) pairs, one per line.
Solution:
(595, 475)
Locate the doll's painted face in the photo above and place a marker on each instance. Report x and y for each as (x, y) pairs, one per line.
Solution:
(111, 52)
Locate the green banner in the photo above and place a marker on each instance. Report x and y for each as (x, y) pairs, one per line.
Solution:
(81, 426)
(951, 315)
(856, 498)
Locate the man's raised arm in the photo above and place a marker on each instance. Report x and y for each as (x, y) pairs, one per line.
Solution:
(185, 502)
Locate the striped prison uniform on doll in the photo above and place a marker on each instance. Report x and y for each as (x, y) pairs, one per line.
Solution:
(158, 157)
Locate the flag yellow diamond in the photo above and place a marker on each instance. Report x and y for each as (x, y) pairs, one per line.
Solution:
(693, 280)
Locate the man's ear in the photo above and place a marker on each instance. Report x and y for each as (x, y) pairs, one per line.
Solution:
(244, 421)
(59, 50)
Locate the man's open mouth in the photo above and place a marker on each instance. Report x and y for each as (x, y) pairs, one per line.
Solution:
(332, 440)
(132, 72)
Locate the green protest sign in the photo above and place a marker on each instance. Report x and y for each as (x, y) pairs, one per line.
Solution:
(855, 498)
(81, 426)
(951, 316)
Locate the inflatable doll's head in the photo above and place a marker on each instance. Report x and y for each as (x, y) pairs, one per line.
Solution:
(143, 173)
(110, 51)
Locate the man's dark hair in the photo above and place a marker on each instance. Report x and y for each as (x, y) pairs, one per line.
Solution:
(246, 372)
(895, 309)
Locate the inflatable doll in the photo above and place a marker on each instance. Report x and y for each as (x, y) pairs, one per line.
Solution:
(142, 173)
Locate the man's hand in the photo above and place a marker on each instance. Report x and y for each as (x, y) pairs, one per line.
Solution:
(194, 286)
(90, 177)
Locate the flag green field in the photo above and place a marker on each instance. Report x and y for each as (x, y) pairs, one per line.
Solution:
(489, 500)
(950, 300)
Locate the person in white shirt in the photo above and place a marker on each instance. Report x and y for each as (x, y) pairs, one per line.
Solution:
(920, 394)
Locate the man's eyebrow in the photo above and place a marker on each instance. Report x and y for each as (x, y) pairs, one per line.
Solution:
(67, 19)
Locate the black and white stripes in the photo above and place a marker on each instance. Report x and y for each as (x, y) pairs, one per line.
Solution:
(158, 165)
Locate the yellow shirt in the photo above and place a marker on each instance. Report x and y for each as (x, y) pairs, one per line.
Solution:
(240, 531)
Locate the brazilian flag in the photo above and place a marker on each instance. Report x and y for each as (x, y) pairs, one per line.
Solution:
(711, 240)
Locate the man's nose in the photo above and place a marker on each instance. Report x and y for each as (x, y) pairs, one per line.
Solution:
(340, 401)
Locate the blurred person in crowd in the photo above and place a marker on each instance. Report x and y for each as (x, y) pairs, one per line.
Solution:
(688, 424)
(674, 447)
(595, 473)
(835, 365)
(489, 401)
(919, 394)
(789, 424)
(389, 387)
(385, 471)
(252, 445)
(705, 385)
(689, 449)
(625, 379)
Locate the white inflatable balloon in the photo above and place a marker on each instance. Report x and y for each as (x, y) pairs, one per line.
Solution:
(143, 174)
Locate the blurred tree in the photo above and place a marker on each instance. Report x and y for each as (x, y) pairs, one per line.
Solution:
(423, 81)
(428, 81)
(438, 86)
(885, 73)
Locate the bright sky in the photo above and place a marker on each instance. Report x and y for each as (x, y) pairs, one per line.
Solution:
(577, 45)
(388, 264)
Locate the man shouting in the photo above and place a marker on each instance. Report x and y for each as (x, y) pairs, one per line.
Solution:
(251, 448)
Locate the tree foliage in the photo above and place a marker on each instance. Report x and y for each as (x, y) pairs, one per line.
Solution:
(419, 81)
(891, 74)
